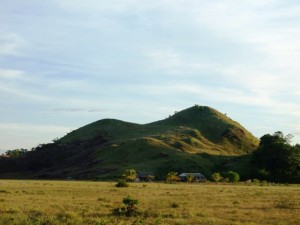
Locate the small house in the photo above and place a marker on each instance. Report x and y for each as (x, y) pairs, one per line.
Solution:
(145, 176)
(195, 177)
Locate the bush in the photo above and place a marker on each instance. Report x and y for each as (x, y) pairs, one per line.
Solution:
(130, 175)
(122, 183)
(225, 180)
(255, 181)
(232, 176)
(174, 205)
(130, 208)
(172, 177)
(216, 177)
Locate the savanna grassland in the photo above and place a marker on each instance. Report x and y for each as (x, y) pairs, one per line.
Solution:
(77, 202)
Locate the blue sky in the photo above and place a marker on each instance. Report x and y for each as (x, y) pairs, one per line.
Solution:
(67, 63)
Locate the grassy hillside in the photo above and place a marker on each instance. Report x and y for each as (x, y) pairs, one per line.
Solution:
(197, 129)
(197, 139)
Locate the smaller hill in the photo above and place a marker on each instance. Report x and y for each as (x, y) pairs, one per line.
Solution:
(111, 129)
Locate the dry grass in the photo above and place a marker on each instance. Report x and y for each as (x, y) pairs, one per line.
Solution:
(74, 202)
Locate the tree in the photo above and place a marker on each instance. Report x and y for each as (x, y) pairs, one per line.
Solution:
(233, 176)
(172, 177)
(16, 153)
(216, 177)
(190, 178)
(278, 158)
(130, 175)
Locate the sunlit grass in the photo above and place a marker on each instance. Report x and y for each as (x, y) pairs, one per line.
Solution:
(74, 202)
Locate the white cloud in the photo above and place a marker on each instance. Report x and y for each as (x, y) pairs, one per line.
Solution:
(115, 6)
(11, 74)
(174, 62)
(11, 44)
(94, 6)
(14, 83)
(78, 110)
(266, 30)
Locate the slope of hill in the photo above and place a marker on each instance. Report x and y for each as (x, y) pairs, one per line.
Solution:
(196, 139)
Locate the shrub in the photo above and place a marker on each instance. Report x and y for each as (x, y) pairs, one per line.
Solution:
(122, 183)
(130, 208)
(262, 174)
(255, 181)
(174, 205)
(225, 180)
(130, 175)
(190, 178)
(216, 177)
(172, 177)
(232, 176)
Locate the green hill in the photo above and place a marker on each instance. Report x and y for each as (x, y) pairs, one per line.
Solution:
(198, 129)
(195, 139)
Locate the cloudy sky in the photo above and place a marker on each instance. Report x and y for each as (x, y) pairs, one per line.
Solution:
(67, 63)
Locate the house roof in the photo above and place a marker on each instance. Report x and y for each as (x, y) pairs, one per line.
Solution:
(191, 174)
(145, 174)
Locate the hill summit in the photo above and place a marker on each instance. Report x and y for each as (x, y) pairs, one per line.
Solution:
(186, 141)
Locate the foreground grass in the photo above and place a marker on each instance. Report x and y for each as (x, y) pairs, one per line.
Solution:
(73, 202)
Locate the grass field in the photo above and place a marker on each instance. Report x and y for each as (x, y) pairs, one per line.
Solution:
(25, 202)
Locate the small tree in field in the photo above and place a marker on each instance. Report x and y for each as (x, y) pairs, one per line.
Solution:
(129, 209)
(172, 177)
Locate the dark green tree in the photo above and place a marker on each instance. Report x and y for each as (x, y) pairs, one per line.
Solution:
(233, 176)
(278, 158)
